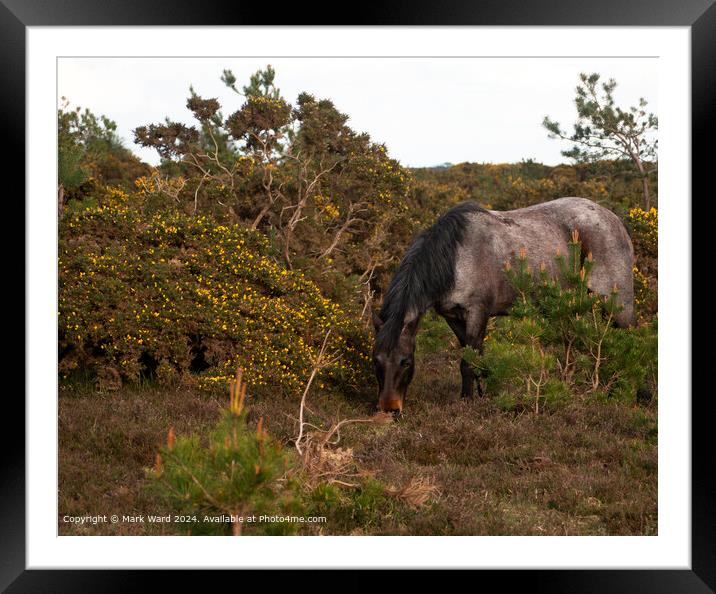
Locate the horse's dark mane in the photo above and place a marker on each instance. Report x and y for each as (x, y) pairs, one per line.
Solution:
(425, 274)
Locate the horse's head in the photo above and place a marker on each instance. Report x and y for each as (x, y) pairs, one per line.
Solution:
(394, 364)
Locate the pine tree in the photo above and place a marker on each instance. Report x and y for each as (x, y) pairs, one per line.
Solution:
(605, 131)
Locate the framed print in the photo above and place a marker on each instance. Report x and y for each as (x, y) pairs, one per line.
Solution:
(357, 290)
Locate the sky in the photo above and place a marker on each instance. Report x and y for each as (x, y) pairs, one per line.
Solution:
(427, 111)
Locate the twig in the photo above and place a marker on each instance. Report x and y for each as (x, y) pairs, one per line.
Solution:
(316, 367)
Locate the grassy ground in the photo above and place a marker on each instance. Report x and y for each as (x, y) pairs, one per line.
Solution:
(585, 468)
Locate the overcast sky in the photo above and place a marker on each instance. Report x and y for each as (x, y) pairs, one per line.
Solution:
(427, 111)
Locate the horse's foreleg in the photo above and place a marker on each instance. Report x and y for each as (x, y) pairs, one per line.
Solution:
(468, 376)
(470, 331)
(475, 327)
(468, 380)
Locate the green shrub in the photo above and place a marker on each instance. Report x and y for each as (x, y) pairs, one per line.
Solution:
(434, 334)
(168, 293)
(240, 472)
(630, 361)
(560, 339)
(362, 508)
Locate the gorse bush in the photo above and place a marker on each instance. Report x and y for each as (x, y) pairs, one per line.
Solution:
(560, 339)
(169, 293)
(643, 227)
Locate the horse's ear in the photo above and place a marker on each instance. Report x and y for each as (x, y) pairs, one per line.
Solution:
(377, 321)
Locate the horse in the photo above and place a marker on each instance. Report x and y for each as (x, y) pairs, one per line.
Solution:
(457, 267)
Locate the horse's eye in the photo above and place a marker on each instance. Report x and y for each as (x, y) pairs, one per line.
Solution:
(405, 362)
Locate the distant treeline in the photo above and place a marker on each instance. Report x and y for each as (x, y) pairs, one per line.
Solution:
(504, 186)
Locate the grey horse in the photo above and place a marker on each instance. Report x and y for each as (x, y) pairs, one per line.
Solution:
(457, 267)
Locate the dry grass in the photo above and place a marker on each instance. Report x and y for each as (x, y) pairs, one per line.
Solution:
(417, 493)
(106, 442)
(459, 467)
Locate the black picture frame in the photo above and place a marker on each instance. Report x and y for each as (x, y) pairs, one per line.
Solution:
(699, 15)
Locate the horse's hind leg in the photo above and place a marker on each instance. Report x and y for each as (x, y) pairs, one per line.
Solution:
(615, 273)
(613, 261)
